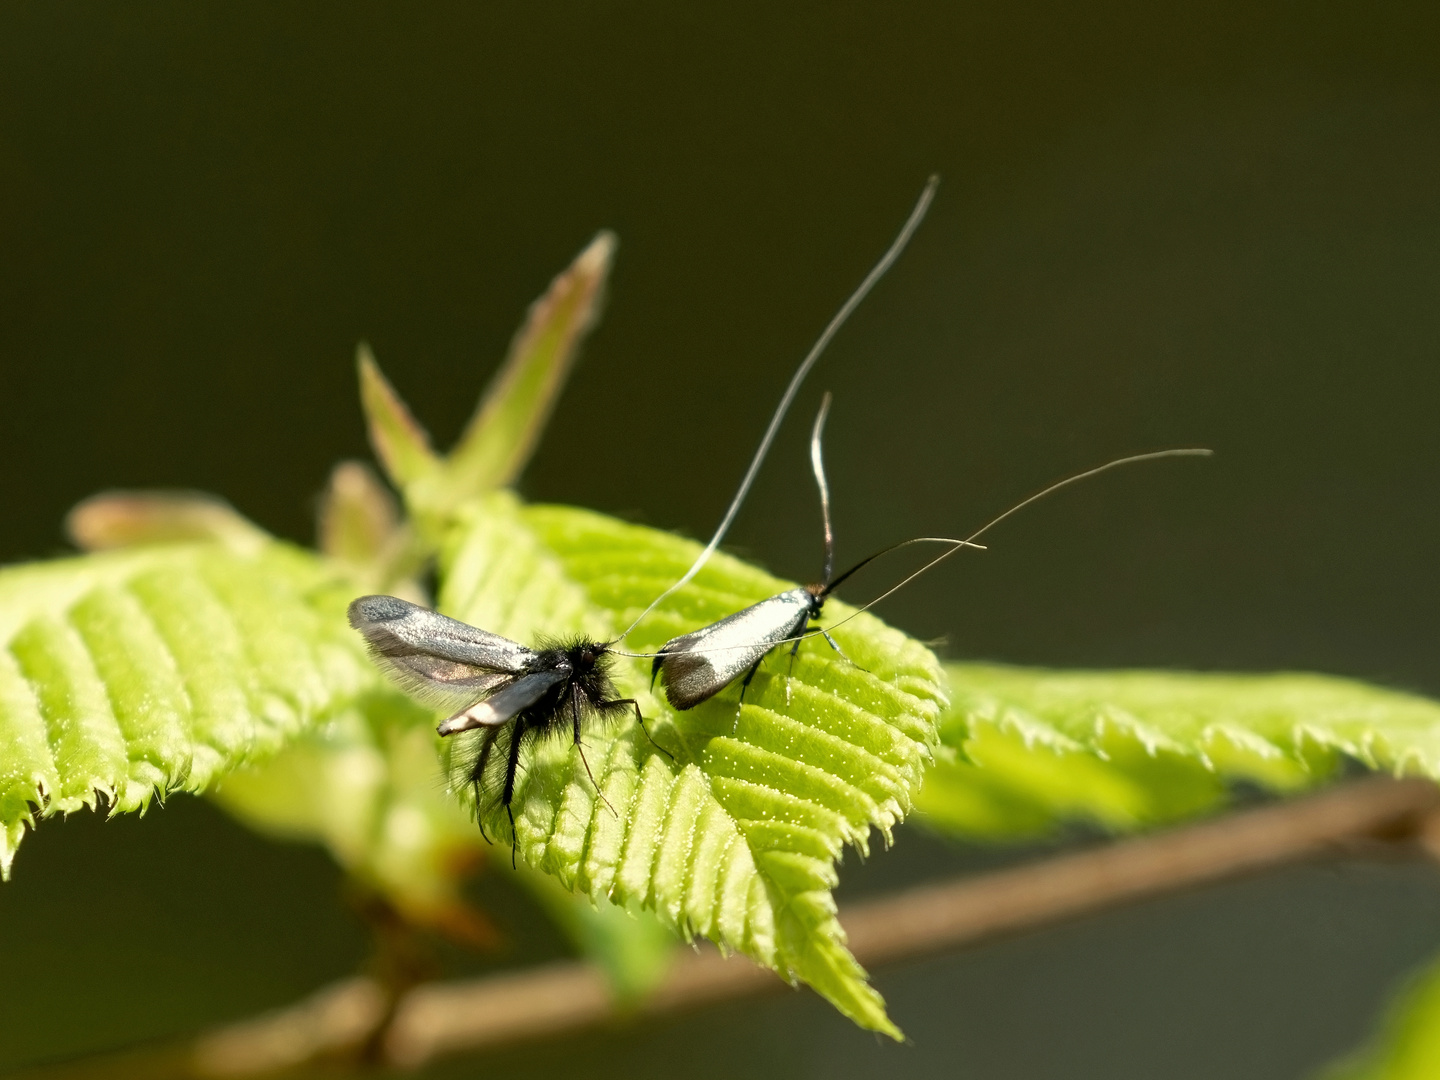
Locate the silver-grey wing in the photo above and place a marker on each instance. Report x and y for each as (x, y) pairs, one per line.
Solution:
(700, 664)
(504, 705)
(433, 658)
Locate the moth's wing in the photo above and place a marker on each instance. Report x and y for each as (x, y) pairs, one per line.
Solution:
(503, 705)
(435, 659)
(700, 664)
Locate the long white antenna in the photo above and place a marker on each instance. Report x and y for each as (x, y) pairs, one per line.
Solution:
(817, 464)
(877, 272)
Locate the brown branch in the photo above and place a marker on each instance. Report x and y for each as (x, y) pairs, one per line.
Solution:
(436, 1019)
(446, 1018)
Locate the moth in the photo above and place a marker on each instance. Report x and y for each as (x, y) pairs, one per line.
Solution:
(514, 694)
(700, 664)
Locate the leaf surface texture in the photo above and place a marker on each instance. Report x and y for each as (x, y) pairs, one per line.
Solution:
(737, 839)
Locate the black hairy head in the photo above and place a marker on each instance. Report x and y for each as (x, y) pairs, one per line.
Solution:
(585, 660)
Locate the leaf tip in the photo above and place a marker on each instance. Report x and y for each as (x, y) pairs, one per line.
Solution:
(595, 261)
(121, 519)
(507, 424)
(400, 443)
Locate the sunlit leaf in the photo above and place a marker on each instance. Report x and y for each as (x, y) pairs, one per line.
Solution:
(399, 441)
(508, 423)
(1029, 748)
(127, 675)
(736, 839)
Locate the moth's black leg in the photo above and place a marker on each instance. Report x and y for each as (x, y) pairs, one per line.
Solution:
(743, 687)
(795, 649)
(640, 720)
(799, 633)
(479, 818)
(748, 676)
(575, 712)
(512, 763)
(477, 774)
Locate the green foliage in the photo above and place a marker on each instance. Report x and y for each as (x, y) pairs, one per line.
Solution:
(1025, 749)
(206, 655)
(511, 416)
(127, 675)
(736, 838)
(367, 785)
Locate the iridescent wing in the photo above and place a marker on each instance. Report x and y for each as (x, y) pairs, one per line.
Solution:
(700, 664)
(504, 705)
(435, 659)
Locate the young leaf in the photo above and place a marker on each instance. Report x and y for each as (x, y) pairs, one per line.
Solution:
(507, 425)
(359, 526)
(736, 838)
(1029, 748)
(398, 440)
(130, 674)
(358, 519)
(120, 519)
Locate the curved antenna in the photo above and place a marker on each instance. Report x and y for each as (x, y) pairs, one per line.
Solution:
(956, 545)
(952, 541)
(968, 541)
(831, 586)
(876, 273)
(817, 463)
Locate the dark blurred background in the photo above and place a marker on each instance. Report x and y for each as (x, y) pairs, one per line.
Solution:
(1158, 225)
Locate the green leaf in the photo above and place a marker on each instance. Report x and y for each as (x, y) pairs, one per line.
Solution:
(397, 438)
(121, 519)
(131, 674)
(507, 425)
(737, 839)
(1408, 1044)
(1026, 749)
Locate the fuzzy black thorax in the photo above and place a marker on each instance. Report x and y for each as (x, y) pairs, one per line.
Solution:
(506, 694)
